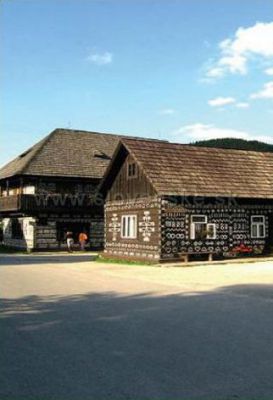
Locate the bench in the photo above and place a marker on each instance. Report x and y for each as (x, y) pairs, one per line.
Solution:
(185, 256)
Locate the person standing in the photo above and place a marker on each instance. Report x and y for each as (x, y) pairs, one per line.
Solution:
(82, 239)
(69, 241)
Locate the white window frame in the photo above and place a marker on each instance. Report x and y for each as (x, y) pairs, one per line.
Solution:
(204, 222)
(257, 225)
(129, 227)
(192, 231)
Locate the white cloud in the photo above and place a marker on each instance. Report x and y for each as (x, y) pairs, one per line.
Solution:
(221, 101)
(242, 105)
(200, 131)
(269, 71)
(215, 72)
(256, 40)
(100, 59)
(265, 93)
(224, 101)
(167, 111)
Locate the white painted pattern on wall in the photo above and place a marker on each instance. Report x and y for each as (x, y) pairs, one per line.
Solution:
(146, 226)
(114, 227)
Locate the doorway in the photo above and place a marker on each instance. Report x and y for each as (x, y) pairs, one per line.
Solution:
(75, 227)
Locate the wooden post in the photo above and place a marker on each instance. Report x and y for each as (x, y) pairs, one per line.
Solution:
(21, 186)
(210, 257)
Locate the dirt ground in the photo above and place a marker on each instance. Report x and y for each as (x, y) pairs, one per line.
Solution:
(74, 329)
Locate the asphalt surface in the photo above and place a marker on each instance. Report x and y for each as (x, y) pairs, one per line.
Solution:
(75, 329)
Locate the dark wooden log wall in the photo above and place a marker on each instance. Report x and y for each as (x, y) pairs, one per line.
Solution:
(233, 228)
(147, 243)
(130, 188)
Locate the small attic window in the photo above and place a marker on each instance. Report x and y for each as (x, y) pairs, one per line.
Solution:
(25, 153)
(132, 170)
(100, 154)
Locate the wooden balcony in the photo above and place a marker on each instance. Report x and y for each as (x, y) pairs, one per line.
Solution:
(31, 203)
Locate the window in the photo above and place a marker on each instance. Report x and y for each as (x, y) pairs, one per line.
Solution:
(132, 170)
(129, 226)
(201, 219)
(101, 154)
(75, 227)
(29, 189)
(257, 226)
(200, 229)
(211, 231)
(25, 153)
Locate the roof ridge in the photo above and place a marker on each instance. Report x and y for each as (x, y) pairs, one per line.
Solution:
(122, 136)
(85, 131)
(193, 146)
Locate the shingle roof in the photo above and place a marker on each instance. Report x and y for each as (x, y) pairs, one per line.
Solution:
(176, 169)
(65, 152)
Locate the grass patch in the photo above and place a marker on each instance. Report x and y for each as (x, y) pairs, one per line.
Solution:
(107, 260)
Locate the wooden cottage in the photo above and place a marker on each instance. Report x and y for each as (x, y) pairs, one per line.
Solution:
(50, 188)
(169, 201)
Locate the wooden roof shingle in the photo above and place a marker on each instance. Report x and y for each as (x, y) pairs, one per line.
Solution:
(66, 153)
(177, 169)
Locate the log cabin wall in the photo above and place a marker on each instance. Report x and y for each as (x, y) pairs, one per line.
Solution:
(125, 187)
(53, 183)
(132, 196)
(146, 244)
(47, 231)
(48, 186)
(55, 202)
(232, 229)
(54, 186)
(50, 231)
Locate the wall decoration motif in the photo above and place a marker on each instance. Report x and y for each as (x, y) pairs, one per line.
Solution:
(147, 243)
(114, 227)
(138, 203)
(232, 229)
(174, 233)
(172, 238)
(146, 226)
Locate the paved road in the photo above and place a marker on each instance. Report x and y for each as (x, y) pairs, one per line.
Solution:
(72, 329)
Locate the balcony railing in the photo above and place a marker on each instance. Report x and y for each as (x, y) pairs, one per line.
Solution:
(10, 203)
(48, 202)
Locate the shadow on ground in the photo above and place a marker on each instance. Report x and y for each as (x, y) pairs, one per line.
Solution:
(213, 345)
(46, 259)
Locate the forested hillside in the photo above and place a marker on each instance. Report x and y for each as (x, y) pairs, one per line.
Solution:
(232, 143)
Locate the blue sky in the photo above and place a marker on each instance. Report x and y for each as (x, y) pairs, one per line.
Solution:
(177, 69)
